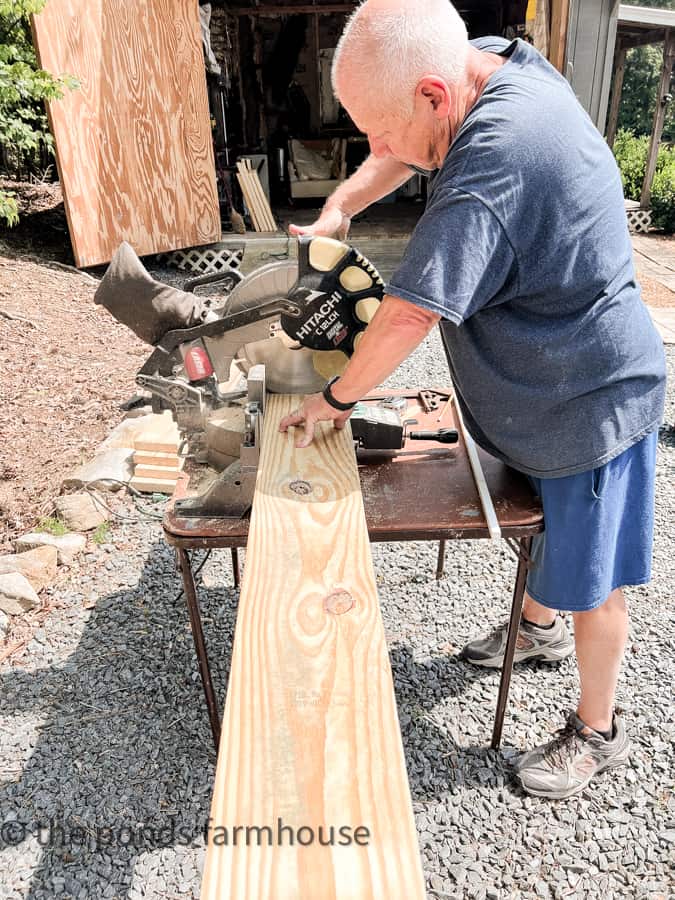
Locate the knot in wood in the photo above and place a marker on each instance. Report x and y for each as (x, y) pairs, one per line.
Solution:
(301, 487)
(338, 602)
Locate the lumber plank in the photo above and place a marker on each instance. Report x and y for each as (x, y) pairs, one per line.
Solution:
(250, 203)
(310, 731)
(261, 199)
(153, 485)
(159, 435)
(244, 184)
(261, 214)
(155, 458)
(164, 473)
(133, 142)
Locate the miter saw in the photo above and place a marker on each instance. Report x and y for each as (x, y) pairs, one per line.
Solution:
(286, 328)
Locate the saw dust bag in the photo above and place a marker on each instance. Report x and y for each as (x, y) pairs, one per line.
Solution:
(144, 305)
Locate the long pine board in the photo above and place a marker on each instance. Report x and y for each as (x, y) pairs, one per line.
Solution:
(133, 142)
(310, 732)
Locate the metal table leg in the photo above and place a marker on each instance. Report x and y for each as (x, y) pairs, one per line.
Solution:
(236, 571)
(512, 636)
(200, 645)
(440, 565)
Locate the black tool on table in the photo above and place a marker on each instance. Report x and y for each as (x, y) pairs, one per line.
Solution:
(381, 428)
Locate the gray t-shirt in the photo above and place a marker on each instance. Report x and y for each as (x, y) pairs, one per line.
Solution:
(524, 251)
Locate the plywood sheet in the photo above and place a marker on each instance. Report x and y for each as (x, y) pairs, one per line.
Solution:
(133, 144)
(310, 735)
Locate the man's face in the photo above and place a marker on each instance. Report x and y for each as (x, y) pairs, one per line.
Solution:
(416, 140)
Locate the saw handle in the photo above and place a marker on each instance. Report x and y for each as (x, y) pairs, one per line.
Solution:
(443, 436)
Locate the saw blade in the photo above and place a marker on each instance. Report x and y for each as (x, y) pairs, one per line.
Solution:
(328, 272)
(269, 281)
(289, 368)
(264, 284)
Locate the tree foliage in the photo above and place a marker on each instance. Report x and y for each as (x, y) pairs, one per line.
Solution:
(640, 87)
(24, 87)
(641, 81)
(655, 4)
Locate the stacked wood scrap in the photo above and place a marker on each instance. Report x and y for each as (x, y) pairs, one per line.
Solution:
(256, 201)
(157, 464)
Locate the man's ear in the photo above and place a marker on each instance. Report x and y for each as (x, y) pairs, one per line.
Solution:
(434, 90)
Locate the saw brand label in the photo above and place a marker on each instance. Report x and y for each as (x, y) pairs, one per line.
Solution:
(325, 316)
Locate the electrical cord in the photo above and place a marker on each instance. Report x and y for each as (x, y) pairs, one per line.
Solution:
(135, 495)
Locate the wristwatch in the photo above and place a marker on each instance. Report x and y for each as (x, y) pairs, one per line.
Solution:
(330, 399)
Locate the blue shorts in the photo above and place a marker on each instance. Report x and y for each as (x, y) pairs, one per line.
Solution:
(599, 531)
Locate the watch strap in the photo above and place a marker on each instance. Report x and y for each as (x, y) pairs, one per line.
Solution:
(330, 399)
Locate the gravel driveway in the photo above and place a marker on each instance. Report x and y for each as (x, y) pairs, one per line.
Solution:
(103, 726)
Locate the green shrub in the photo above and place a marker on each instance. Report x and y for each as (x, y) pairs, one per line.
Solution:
(663, 198)
(9, 210)
(631, 155)
(24, 87)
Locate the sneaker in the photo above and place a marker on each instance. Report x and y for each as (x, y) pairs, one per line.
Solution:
(565, 765)
(533, 642)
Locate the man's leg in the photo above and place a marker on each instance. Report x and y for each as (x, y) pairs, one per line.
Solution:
(600, 637)
(594, 739)
(536, 613)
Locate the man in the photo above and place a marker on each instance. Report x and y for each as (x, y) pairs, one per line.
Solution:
(524, 258)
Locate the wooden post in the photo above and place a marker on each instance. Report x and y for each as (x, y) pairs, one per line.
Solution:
(310, 735)
(617, 85)
(560, 13)
(315, 108)
(659, 116)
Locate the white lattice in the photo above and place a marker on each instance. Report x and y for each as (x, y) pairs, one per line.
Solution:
(206, 260)
(639, 220)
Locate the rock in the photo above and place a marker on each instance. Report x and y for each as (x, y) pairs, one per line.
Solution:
(68, 546)
(16, 594)
(104, 472)
(4, 626)
(80, 511)
(38, 566)
(436, 882)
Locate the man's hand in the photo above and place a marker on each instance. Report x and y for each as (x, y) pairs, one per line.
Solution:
(313, 410)
(332, 222)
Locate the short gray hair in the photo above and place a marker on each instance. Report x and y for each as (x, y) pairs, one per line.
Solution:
(394, 48)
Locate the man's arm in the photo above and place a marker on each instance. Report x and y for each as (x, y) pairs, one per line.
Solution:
(374, 179)
(394, 332)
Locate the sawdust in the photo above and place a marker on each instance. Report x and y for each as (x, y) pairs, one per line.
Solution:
(65, 366)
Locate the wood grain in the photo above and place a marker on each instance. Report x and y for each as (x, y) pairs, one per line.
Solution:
(310, 731)
(133, 143)
(560, 13)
